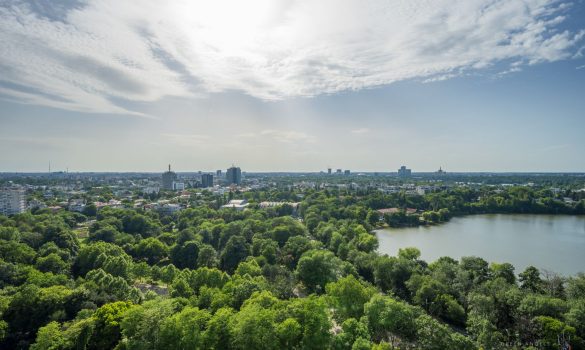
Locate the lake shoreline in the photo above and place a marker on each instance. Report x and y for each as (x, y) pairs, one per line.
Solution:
(520, 239)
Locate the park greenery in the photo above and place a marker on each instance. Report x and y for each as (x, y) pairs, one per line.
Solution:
(211, 278)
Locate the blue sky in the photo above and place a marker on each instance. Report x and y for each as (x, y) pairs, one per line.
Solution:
(292, 86)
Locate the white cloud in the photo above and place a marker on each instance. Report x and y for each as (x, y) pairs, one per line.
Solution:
(288, 136)
(360, 131)
(94, 57)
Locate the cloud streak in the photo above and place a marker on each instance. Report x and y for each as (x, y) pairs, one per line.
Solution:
(360, 131)
(89, 57)
(288, 136)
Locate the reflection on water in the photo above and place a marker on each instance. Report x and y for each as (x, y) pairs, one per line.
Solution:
(551, 242)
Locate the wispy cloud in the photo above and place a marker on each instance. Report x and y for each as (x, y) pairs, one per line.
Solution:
(93, 56)
(288, 136)
(360, 131)
(555, 147)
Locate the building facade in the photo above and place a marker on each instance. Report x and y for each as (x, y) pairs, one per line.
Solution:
(404, 172)
(168, 178)
(12, 201)
(207, 180)
(178, 186)
(234, 176)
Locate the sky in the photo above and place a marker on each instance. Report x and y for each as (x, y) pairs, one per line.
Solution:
(285, 85)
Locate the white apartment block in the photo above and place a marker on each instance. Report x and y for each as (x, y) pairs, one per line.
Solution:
(12, 201)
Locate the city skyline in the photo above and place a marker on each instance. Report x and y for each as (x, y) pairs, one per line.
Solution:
(479, 86)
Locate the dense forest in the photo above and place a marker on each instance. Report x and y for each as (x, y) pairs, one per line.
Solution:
(214, 278)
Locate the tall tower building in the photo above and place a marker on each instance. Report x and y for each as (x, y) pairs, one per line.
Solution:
(207, 180)
(404, 171)
(168, 178)
(234, 175)
(12, 201)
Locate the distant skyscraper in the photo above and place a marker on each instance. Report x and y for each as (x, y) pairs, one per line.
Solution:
(234, 176)
(12, 201)
(338, 171)
(404, 172)
(207, 180)
(168, 178)
(329, 171)
(347, 172)
(218, 174)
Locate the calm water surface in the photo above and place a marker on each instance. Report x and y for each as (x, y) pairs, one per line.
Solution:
(552, 242)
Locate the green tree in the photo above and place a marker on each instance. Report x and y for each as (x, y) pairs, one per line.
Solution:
(52, 263)
(107, 331)
(141, 325)
(391, 274)
(49, 337)
(505, 271)
(150, 250)
(254, 327)
(217, 335)
(184, 330)
(348, 296)
(185, 255)
(351, 331)
(530, 280)
(289, 333)
(316, 268)
(235, 251)
(207, 256)
(390, 319)
(95, 255)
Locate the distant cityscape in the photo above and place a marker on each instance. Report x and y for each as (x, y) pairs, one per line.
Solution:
(70, 191)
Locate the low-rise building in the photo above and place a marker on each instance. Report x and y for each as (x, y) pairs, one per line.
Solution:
(294, 205)
(151, 189)
(76, 204)
(178, 186)
(36, 204)
(237, 204)
(408, 211)
(168, 208)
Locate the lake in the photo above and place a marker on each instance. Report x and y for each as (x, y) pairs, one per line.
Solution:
(551, 242)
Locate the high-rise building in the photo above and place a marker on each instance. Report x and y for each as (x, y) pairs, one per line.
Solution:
(404, 172)
(347, 172)
(168, 178)
(218, 174)
(12, 201)
(207, 180)
(234, 175)
(329, 171)
(338, 171)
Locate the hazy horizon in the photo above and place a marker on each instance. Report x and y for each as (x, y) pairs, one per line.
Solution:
(292, 86)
